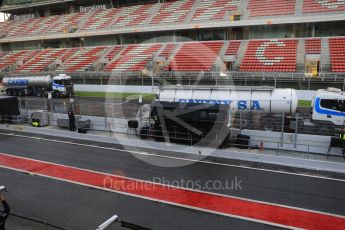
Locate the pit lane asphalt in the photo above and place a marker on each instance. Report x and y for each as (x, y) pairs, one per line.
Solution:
(73, 206)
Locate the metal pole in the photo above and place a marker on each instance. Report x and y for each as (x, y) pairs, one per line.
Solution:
(240, 122)
(296, 131)
(282, 134)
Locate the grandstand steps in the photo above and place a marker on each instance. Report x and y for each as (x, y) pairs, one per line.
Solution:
(325, 64)
(83, 21)
(115, 53)
(224, 48)
(192, 11)
(219, 61)
(299, 8)
(240, 54)
(51, 26)
(133, 58)
(103, 60)
(300, 58)
(115, 17)
(242, 7)
(153, 11)
(173, 53)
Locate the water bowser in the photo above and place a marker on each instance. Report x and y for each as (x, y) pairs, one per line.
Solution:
(60, 85)
(254, 99)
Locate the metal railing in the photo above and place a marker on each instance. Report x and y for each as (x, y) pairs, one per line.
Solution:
(111, 117)
(34, 223)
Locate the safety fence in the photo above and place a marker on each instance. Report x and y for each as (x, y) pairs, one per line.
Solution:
(302, 80)
(280, 133)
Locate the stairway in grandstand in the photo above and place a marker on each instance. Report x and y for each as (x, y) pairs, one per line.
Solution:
(133, 58)
(133, 15)
(300, 58)
(325, 55)
(173, 12)
(82, 59)
(240, 54)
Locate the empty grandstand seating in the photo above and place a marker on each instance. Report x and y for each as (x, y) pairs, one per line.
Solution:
(41, 60)
(337, 53)
(100, 19)
(133, 58)
(313, 46)
(317, 6)
(173, 11)
(67, 23)
(271, 7)
(113, 52)
(134, 15)
(167, 51)
(214, 9)
(13, 57)
(270, 56)
(19, 27)
(82, 59)
(233, 48)
(196, 56)
(40, 25)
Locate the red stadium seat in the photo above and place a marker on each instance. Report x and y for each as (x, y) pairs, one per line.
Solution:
(337, 53)
(270, 56)
(317, 6)
(133, 58)
(196, 56)
(271, 7)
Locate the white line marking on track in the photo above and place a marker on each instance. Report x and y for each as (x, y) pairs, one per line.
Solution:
(171, 186)
(156, 200)
(175, 158)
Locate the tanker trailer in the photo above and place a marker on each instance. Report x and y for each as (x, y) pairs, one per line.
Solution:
(197, 112)
(60, 85)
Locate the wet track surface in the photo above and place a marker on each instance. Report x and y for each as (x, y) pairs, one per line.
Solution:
(78, 207)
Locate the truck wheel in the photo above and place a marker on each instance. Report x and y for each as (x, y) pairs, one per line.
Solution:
(57, 94)
(8, 92)
(20, 93)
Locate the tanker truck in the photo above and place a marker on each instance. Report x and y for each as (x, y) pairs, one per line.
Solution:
(206, 108)
(60, 85)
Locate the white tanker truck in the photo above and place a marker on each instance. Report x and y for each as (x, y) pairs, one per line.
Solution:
(60, 85)
(206, 105)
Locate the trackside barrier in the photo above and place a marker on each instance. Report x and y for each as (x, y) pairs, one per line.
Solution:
(273, 131)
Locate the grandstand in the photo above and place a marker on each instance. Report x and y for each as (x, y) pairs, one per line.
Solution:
(280, 39)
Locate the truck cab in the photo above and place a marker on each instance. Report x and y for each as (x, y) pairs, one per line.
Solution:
(62, 85)
(329, 106)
